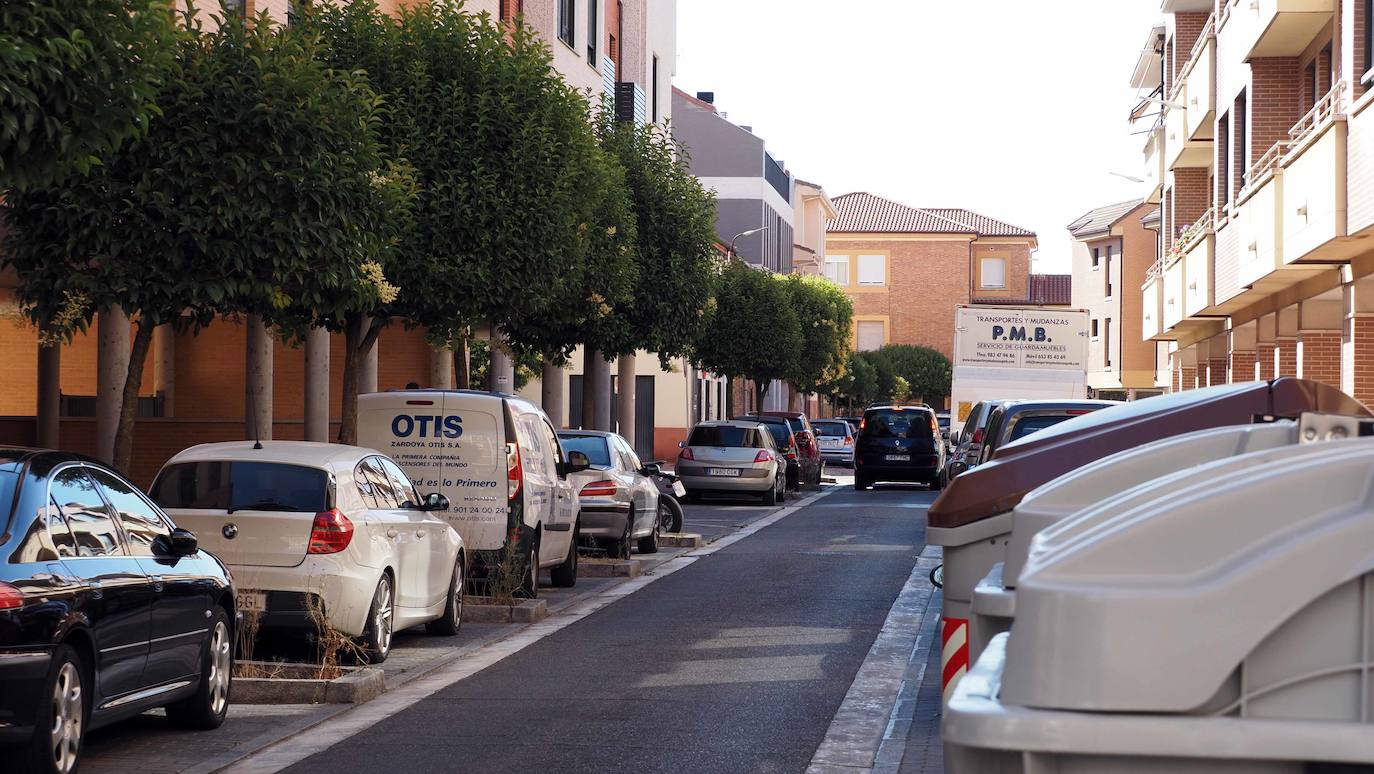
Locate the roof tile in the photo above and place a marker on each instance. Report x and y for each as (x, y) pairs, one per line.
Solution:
(865, 213)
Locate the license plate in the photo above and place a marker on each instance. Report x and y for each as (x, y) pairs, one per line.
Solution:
(679, 489)
(722, 472)
(251, 601)
(898, 458)
(830, 443)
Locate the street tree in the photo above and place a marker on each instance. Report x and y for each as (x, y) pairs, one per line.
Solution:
(505, 162)
(77, 79)
(253, 192)
(827, 321)
(751, 330)
(885, 376)
(927, 371)
(857, 385)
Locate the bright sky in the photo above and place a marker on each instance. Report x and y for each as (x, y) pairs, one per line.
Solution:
(1017, 110)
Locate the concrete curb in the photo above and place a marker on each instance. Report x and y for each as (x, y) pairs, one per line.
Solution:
(484, 610)
(610, 568)
(360, 684)
(680, 540)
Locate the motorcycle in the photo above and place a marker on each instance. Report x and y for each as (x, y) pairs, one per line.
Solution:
(670, 493)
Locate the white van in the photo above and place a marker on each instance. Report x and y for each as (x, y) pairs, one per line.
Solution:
(498, 461)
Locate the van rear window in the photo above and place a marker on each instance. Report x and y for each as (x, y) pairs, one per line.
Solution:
(236, 486)
(897, 423)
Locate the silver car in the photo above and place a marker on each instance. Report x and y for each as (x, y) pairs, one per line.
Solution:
(736, 457)
(836, 439)
(619, 503)
(968, 444)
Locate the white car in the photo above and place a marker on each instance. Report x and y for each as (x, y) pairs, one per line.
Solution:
(337, 530)
(498, 461)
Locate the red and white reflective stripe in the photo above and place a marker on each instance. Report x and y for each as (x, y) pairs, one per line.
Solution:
(953, 654)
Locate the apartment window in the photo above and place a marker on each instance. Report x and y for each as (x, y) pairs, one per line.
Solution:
(837, 269)
(1097, 256)
(654, 84)
(566, 10)
(1241, 140)
(1309, 86)
(993, 273)
(1107, 342)
(1368, 7)
(1094, 329)
(1223, 163)
(873, 270)
(872, 335)
(592, 27)
(1107, 274)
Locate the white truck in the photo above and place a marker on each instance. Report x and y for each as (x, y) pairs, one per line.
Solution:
(1016, 352)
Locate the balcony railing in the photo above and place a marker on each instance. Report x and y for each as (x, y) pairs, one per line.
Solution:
(1208, 30)
(1326, 109)
(1189, 236)
(1264, 167)
(1153, 273)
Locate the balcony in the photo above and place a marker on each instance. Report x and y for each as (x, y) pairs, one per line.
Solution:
(1152, 306)
(1199, 90)
(1197, 274)
(1267, 28)
(1180, 149)
(1172, 295)
(1314, 184)
(1154, 165)
(1259, 218)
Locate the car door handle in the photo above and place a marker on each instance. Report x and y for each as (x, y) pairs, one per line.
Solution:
(420, 533)
(97, 591)
(158, 583)
(391, 533)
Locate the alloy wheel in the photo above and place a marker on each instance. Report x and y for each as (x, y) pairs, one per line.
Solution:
(458, 590)
(67, 712)
(220, 665)
(665, 518)
(381, 615)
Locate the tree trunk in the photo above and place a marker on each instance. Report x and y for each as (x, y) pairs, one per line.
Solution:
(128, 408)
(462, 362)
(551, 392)
(360, 336)
(760, 389)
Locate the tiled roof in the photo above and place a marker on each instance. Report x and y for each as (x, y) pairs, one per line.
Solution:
(865, 213)
(1043, 290)
(1102, 219)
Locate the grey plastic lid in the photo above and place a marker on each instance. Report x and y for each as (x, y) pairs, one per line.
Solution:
(1154, 606)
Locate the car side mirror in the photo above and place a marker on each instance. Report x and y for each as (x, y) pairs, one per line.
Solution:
(682, 444)
(435, 501)
(651, 469)
(182, 542)
(577, 462)
(937, 577)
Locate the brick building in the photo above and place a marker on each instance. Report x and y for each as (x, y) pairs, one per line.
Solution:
(906, 268)
(195, 387)
(1260, 152)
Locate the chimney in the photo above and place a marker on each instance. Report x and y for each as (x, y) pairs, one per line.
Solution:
(709, 97)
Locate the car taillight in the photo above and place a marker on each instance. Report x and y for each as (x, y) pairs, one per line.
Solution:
(599, 489)
(687, 454)
(934, 426)
(10, 597)
(331, 532)
(849, 440)
(791, 452)
(1078, 412)
(978, 435)
(763, 456)
(515, 472)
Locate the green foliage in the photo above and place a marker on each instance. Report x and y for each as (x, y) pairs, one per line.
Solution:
(926, 371)
(527, 366)
(675, 220)
(884, 374)
(858, 384)
(751, 330)
(509, 179)
(77, 79)
(827, 320)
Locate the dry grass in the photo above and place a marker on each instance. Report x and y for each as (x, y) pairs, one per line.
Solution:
(246, 639)
(504, 580)
(332, 647)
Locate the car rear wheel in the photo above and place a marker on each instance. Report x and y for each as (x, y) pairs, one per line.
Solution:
(564, 576)
(381, 617)
(207, 708)
(61, 717)
(452, 619)
(649, 543)
(861, 482)
(770, 498)
(619, 548)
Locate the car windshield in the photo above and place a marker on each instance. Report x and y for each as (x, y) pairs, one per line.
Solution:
(242, 486)
(831, 429)
(594, 446)
(727, 436)
(1035, 424)
(897, 423)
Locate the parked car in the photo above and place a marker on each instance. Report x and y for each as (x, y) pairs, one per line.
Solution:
(802, 469)
(968, 442)
(808, 449)
(619, 500)
(899, 443)
(1017, 419)
(498, 460)
(942, 419)
(836, 440)
(316, 531)
(107, 610)
(736, 457)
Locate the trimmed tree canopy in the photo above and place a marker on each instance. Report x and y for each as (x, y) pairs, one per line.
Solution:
(77, 79)
(827, 321)
(927, 372)
(751, 331)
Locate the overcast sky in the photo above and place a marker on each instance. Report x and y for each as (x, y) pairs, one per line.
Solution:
(1013, 109)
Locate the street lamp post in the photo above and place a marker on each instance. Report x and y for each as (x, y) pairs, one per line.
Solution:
(741, 235)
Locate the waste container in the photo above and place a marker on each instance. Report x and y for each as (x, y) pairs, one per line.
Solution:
(994, 598)
(972, 520)
(1226, 624)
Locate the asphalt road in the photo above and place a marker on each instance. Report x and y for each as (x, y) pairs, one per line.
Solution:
(736, 663)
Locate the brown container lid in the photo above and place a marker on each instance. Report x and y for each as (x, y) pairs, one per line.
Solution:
(998, 485)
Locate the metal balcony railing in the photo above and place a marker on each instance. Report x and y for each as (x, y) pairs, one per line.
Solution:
(1327, 109)
(1208, 30)
(1264, 167)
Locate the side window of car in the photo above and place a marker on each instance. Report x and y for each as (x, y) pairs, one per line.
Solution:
(552, 436)
(92, 528)
(365, 488)
(142, 523)
(632, 462)
(381, 484)
(58, 531)
(400, 483)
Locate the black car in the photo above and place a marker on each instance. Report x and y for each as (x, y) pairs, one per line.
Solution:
(799, 467)
(898, 443)
(106, 610)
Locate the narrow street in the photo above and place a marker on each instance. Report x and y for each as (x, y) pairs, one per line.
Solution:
(738, 662)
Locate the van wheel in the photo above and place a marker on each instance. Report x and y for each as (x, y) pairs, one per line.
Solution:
(564, 576)
(529, 587)
(61, 716)
(453, 605)
(861, 482)
(206, 709)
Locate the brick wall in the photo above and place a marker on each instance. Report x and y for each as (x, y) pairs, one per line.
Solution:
(1319, 356)
(1177, 377)
(1363, 331)
(1187, 28)
(1191, 197)
(1188, 378)
(1265, 356)
(1216, 371)
(1242, 367)
(1287, 359)
(1275, 101)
